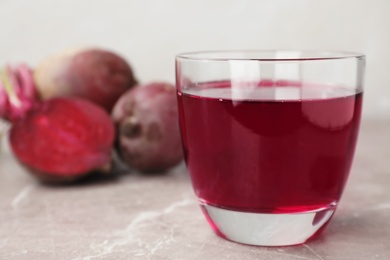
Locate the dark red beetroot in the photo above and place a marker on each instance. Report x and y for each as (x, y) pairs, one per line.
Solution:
(94, 74)
(60, 139)
(148, 136)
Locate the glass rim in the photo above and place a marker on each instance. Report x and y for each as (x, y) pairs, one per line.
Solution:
(261, 55)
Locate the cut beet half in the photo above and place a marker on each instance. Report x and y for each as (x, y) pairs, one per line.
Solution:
(63, 137)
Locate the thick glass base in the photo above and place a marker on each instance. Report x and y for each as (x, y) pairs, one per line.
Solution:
(266, 229)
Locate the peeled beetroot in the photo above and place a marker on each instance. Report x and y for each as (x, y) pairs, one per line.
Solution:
(94, 74)
(60, 139)
(148, 135)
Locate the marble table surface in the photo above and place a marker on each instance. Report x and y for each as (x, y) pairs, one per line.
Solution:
(134, 216)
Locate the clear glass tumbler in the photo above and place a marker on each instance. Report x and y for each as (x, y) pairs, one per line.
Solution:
(269, 138)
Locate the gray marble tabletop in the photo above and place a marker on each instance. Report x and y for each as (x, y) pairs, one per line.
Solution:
(134, 216)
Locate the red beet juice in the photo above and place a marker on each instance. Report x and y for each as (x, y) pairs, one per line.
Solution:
(269, 147)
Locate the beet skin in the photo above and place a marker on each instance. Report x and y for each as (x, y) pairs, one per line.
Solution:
(148, 134)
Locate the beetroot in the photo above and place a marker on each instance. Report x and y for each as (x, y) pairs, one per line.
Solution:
(19, 84)
(148, 135)
(94, 74)
(63, 137)
(60, 139)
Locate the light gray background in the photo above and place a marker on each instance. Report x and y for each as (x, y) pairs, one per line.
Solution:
(150, 33)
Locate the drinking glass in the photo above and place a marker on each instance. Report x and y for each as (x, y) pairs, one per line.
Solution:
(269, 138)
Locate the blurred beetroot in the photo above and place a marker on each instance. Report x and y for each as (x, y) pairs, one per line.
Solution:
(17, 91)
(59, 140)
(95, 74)
(63, 139)
(148, 135)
